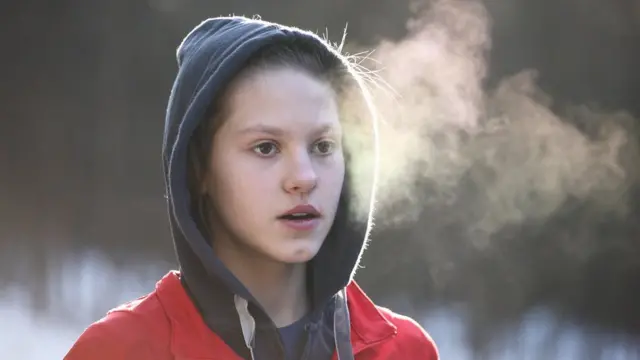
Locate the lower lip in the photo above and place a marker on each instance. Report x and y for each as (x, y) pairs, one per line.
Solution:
(301, 225)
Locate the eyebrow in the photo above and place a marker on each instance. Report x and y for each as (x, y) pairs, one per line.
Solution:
(276, 131)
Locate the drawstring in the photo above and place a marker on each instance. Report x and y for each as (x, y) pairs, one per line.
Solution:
(247, 322)
(342, 327)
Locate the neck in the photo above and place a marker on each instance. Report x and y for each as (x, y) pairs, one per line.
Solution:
(280, 288)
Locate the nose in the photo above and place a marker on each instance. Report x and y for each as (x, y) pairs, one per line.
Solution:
(301, 176)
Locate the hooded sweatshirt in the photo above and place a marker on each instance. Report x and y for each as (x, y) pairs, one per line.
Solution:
(208, 59)
(343, 321)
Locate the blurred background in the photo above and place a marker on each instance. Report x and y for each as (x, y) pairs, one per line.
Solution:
(512, 171)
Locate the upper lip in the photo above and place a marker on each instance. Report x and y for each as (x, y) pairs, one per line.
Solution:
(302, 209)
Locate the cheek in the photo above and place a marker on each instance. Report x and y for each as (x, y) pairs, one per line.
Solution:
(240, 188)
(333, 176)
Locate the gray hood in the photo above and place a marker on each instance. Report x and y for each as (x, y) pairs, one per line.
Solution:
(208, 58)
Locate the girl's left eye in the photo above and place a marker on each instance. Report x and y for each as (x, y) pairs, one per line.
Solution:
(324, 147)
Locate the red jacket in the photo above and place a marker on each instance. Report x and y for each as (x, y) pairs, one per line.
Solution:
(165, 325)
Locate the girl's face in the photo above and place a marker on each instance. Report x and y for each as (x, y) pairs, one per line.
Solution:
(279, 147)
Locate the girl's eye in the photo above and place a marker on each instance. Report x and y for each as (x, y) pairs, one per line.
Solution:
(324, 147)
(266, 149)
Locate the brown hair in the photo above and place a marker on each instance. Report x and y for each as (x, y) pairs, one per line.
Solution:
(312, 58)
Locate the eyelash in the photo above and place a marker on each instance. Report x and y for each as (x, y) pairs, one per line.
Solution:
(255, 148)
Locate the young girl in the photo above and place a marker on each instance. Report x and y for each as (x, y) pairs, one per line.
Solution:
(257, 178)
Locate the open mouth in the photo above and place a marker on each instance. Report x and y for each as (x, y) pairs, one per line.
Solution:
(298, 217)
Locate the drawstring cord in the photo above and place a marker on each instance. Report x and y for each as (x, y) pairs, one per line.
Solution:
(341, 326)
(247, 322)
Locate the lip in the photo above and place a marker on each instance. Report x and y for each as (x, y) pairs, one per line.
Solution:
(301, 225)
(306, 208)
(304, 224)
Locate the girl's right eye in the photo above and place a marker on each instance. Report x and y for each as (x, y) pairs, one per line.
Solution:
(266, 149)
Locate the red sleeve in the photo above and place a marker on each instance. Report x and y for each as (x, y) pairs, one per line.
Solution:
(118, 336)
(412, 341)
(416, 340)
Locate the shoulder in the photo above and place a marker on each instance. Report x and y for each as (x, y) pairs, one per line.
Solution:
(411, 338)
(136, 330)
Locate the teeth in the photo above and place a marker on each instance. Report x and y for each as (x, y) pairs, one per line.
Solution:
(299, 216)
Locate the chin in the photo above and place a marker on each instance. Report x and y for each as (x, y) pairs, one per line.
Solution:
(298, 255)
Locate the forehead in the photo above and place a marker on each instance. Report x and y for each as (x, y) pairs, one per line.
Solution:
(281, 97)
